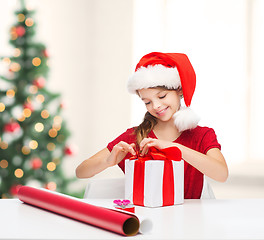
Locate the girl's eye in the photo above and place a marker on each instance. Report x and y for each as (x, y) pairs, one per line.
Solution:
(163, 96)
(146, 103)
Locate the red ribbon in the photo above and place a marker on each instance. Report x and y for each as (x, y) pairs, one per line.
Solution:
(166, 155)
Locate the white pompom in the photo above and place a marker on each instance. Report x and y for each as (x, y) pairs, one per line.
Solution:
(185, 119)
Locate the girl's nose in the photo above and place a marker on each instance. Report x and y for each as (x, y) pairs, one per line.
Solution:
(156, 104)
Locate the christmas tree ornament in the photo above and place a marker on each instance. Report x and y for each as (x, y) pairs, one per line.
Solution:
(70, 150)
(14, 189)
(36, 163)
(39, 127)
(19, 173)
(3, 163)
(3, 145)
(10, 93)
(17, 52)
(40, 98)
(29, 22)
(51, 186)
(62, 105)
(2, 107)
(45, 53)
(14, 67)
(36, 61)
(27, 112)
(25, 150)
(51, 166)
(45, 114)
(28, 105)
(20, 31)
(12, 127)
(20, 17)
(39, 82)
(170, 70)
(33, 144)
(33, 89)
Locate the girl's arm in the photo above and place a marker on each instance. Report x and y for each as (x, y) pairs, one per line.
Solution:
(212, 164)
(104, 159)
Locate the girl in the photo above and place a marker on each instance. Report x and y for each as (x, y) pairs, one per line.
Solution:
(161, 80)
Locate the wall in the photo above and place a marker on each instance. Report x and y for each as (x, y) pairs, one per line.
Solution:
(90, 44)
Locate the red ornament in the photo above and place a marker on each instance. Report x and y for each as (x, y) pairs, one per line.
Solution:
(20, 31)
(12, 127)
(51, 186)
(62, 105)
(68, 150)
(36, 163)
(14, 189)
(39, 82)
(45, 53)
(29, 106)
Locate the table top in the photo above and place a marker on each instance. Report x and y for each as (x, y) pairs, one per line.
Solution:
(195, 219)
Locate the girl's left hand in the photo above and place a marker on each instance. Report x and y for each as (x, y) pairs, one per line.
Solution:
(146, 143)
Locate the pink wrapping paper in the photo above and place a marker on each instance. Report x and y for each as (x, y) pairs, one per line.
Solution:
(119, 222)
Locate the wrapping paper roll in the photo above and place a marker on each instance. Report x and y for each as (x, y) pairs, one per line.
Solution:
(115, 221)
(146, 224)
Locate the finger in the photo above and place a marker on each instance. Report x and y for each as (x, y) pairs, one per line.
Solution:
(133, 145)
(144, 142)
(124, 145)
(152, 144)
(117, 149)
(145, 149)
(131, 150)
(127, 147)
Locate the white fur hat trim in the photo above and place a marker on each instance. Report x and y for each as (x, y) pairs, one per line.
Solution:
(185, 119)
(154, 76)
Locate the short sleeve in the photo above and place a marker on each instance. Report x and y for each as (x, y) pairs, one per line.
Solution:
(209, 141)
(128, 136)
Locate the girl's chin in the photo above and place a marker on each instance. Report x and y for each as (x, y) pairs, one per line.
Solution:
(166, 119)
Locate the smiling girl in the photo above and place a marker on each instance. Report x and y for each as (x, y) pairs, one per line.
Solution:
(161, 80)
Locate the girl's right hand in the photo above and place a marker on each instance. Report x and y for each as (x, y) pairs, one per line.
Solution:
(119, 151)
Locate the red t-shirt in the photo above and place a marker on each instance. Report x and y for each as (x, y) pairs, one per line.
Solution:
(200, 139)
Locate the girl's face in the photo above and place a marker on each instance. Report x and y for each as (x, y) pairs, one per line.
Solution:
(161, 103)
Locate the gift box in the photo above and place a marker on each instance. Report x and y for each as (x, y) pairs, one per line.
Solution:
(156, 179)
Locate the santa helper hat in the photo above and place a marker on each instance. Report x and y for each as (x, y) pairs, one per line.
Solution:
(172, 70)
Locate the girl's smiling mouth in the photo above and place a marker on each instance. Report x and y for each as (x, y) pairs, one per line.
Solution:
(162, 112)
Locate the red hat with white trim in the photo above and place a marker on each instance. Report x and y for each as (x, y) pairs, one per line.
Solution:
(170, 70)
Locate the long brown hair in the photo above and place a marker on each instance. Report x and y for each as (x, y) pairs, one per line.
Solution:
(145, 127)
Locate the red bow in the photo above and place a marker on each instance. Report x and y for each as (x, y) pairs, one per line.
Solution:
(167, 155)
(170, 153)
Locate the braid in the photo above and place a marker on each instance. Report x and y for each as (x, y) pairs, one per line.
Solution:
(145, 127)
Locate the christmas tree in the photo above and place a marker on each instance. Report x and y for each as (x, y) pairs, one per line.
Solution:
(33, 134)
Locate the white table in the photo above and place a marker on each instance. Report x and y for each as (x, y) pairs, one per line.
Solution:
(195, 219)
